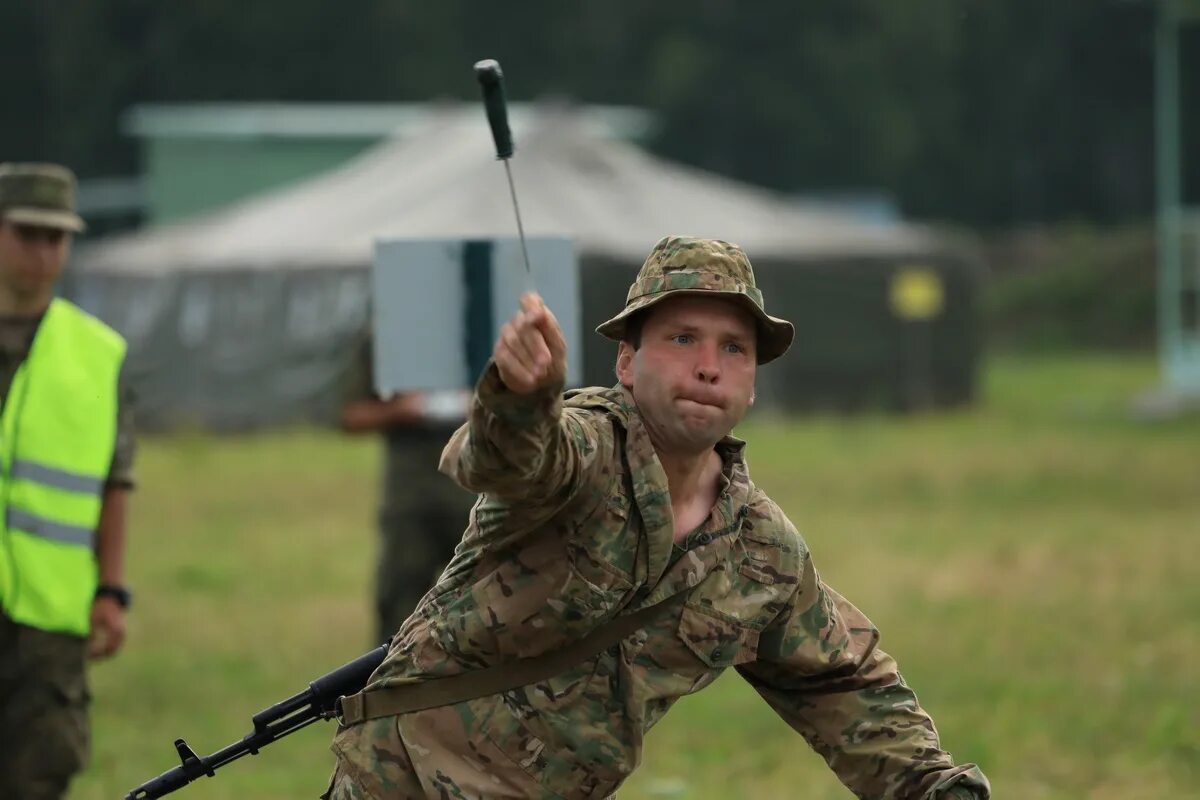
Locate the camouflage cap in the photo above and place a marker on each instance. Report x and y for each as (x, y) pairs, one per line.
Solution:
(39, 194)
(682, 265)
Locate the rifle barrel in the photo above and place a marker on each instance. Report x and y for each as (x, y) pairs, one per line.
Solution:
(288, 716)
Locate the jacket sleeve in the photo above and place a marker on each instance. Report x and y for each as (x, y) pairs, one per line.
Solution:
(516, 447)
(820, 669)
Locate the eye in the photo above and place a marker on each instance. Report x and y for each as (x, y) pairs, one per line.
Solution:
(682, 338)
(734, 347)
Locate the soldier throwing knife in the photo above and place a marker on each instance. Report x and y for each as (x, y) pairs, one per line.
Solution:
(608, 503)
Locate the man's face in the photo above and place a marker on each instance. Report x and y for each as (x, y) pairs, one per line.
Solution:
(693, 375)
(31, 257)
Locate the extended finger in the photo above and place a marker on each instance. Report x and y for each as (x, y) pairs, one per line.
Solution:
(531, 301)
(552, 334)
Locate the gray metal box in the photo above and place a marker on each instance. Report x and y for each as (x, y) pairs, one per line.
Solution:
(438, 306)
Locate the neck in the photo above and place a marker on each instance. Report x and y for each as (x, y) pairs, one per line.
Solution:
(24, 305)
(688, 475)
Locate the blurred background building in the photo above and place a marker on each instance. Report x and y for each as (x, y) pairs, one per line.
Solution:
(962, 205)
(242, 303)
(1034, 133)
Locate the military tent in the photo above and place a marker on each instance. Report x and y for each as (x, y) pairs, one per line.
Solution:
(247, 316)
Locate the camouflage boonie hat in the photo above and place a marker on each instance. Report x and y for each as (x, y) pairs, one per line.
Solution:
(39, 194)
(681, 265)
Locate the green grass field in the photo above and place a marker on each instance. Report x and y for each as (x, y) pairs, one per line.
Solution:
(1033, 563)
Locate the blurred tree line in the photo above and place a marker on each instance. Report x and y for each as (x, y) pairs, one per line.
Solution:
(987, 114)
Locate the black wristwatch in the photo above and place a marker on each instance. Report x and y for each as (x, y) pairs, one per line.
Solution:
(121, 594)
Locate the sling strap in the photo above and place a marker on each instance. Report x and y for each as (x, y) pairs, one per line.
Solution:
(405, 698)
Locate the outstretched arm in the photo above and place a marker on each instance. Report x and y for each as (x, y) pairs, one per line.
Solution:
(820, 669)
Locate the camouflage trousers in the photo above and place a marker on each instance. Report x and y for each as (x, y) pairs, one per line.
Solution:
(402, 759)
(441, 753)
(43, 711)
(421, 520)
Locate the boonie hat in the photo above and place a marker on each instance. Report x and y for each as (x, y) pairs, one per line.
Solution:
(682, 265)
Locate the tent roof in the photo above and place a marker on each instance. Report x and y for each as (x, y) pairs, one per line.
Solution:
(612, 198)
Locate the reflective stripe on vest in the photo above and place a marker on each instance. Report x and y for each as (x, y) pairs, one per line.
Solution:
(57, 435)
(58, 478)
(16, 519)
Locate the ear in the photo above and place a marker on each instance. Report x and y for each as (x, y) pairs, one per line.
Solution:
(624, 370)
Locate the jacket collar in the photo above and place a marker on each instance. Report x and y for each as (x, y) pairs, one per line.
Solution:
(650, 491)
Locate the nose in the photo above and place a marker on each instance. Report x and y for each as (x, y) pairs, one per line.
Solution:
(708, 364)
(46, 251)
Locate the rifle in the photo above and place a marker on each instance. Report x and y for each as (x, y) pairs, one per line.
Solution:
(298, 711)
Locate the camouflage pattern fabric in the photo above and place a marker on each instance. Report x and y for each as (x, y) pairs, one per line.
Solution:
(43, 711)
(482, 769)
(576, 527)
(685, 265)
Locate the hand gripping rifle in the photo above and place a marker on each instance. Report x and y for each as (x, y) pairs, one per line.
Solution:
(298, 711)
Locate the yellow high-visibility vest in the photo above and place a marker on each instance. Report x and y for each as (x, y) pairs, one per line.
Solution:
(57, 435)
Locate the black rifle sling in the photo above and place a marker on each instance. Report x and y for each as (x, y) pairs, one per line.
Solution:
(408, 697)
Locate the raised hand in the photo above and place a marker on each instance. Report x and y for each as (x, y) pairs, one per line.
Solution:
(531, 353)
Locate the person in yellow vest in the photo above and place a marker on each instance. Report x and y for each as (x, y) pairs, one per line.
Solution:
(66, 449)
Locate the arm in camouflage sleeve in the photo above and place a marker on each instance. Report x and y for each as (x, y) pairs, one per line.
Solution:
(820, 669)
(522, 446)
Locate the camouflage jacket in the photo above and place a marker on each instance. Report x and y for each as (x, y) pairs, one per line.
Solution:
(574, 526)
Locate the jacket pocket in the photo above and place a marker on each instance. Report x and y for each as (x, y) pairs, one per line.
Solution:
(557, 770)
(717, 640)
(539, 597)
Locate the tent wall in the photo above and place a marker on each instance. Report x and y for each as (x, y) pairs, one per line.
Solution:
(233, 350)
(243, 349)
(851, 352)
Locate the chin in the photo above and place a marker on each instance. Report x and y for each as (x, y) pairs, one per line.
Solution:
(701, 436)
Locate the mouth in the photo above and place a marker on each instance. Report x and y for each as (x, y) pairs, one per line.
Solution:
(711, 402)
